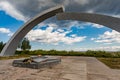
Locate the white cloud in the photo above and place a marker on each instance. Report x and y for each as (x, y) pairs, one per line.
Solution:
(73, 35)
(92, 38)
(109, 48)
(76, 24)
(6, 31)
(52, 37)
(97, 25)
(108, 37)
(82, 25)
(93, 25)
(10, 10)
(19, 9)
(60, 30)
(52, 25)
(80, 2)
(118, 16)
(102, 48)
(90, 11)
(23, 8)
(48, 24)
(41, 25)
(10, 34)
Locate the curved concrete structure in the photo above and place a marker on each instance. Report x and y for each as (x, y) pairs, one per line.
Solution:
(108, 21)
(12, 44)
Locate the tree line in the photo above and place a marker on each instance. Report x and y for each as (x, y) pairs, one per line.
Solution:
(89, 53)
(24, 44)
(1, 45)
(25, 47)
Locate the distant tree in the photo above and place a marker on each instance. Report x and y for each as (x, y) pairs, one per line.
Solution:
(1, 46)
(19, 45)
(25, 44)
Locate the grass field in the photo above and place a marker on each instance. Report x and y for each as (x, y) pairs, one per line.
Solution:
(113, 63)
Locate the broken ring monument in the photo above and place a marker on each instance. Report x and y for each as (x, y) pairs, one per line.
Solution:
(11, 46)
(58, 11)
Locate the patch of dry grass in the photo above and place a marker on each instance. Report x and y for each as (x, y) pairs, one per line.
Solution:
(13, 57)
(113, 63)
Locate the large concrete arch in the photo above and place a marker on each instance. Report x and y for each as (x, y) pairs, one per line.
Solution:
(12, 44)
(108, 21)
(10, 47)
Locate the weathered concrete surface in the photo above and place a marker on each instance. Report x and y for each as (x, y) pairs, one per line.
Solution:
(71, 68)
(96, 70)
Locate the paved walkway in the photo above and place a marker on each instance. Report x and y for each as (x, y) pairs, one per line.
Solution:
(96, 70)
(71, 68)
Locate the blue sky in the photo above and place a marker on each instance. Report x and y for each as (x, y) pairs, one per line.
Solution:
(61, 35)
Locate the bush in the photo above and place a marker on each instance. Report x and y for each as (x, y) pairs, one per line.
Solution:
(72, 53)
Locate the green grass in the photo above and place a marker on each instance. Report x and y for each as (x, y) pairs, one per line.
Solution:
(72, 53)
(113, 63)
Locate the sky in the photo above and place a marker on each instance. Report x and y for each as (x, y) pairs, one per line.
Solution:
(61, 35)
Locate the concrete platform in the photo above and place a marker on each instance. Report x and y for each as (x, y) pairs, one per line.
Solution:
(71, 68)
